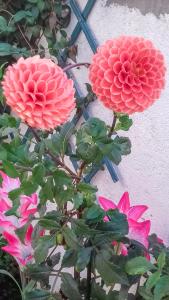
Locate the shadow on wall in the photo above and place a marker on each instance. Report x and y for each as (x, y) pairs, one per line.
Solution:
(156, 7)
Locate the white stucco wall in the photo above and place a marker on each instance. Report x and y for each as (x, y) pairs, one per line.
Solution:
(145, 172)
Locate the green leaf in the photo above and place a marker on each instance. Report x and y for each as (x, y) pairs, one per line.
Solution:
(152, 280)
(70, 237)
(110, 272)
(37, 294)
(7, 49)
(38, 174)
(69, 287)
(98, 292)
(124, 123)
(8, 121)
(69, 258)
(39, 272)
(83, 258)
(4, 272)
(77, 200)
(139, 266)
(3, 153)
(161, 260)
(29, 187)
(117, 225)
(162, 288)
(3, 24)
(95, 212)
(49, 224)
(42, 248)
(146, 294)
(21, 14)
(86, 187)
(10, 169)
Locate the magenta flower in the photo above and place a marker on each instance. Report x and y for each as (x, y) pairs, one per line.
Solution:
(22, 252)
(138, 231)
(8, 184)
(27, 208)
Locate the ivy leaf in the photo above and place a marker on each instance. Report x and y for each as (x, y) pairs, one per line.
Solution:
(69, 287)
(139, 266)
(124, 123)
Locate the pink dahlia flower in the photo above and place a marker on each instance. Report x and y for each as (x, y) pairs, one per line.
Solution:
(127, 74)
(138, 231)
(39, 92)
(22, 252)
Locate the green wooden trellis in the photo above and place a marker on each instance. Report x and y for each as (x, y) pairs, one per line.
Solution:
(82, 26)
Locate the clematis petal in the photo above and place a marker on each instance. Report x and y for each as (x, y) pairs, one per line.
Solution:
(124, 203)
(135, 212)
(106, 204)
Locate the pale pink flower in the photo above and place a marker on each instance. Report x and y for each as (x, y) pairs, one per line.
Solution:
(39, 92)
(127, 74)
(22, 252)
(138, 231)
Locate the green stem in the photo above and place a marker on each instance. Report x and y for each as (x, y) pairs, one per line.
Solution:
(113, 126)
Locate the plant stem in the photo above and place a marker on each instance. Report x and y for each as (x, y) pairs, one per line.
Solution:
(23, 279)
(89, 277)
(55, 158)
(71, 66)
(113, 125)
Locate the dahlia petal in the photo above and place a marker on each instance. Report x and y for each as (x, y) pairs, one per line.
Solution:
(30, 83)
(140, 69)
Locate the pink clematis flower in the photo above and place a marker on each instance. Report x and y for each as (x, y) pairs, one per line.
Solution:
(22, 252)
(138, 231)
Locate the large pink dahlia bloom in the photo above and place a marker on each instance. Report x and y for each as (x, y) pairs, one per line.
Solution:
(127, 74)
(138, 231)
(39, 92)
